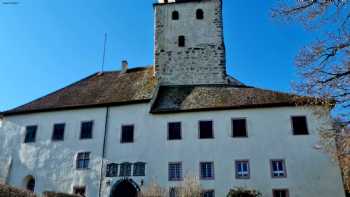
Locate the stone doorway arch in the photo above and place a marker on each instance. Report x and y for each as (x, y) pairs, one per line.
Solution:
(29, 183)
(125, 188)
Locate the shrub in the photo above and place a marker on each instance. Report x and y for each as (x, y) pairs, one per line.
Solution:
(243, 192)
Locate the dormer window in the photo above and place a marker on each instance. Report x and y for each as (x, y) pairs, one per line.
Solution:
(182, 41)
(199, 14)
(175, 15)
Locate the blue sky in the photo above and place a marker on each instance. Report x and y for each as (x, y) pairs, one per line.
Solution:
(46, 45)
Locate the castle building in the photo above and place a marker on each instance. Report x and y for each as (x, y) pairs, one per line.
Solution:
(112, 134)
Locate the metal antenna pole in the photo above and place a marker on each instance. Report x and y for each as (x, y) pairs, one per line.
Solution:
(104, 53)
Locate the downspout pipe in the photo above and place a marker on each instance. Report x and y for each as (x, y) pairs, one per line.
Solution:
(103, 150)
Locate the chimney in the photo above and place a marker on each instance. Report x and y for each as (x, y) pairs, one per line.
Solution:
(124, 66)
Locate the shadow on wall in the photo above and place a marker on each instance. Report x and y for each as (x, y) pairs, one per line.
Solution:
(36, 159)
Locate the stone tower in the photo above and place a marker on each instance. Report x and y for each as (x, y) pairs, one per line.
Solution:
(189, 42)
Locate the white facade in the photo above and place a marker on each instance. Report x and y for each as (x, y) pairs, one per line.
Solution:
(201, 61)
(309, 171)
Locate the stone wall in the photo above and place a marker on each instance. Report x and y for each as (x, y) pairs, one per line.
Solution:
(202, 60)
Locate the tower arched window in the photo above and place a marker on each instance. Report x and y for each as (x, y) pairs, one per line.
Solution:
(175, 15)
(199, 14)
(182, 41)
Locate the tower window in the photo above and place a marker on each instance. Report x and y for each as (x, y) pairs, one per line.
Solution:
(199, 14)
(182, 41)
(175, 15)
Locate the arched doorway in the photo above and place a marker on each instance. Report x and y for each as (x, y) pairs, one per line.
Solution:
(125, 188)
(29, 183)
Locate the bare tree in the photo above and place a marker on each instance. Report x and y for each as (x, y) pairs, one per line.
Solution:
(153, 190)
(324, 65)
(189, 187)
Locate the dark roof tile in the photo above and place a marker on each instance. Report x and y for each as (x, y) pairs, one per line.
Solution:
(136, 85)
(211, 97)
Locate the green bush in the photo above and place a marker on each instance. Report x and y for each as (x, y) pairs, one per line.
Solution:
(243, 192)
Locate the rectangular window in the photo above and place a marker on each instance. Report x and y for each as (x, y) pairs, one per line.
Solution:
(139, 169)
(278, 169)
(79, 190)
(239, 128)
(242, 169)
(299, 125)
(58, 132)
(207, 170)
(125, 169)
(206, 129)
(83, 160)
(175, 171)
(86, 130)
(208, 193)
(112, 170)
(280, 193)
(174, 131)
(30, 134)
(127, 134)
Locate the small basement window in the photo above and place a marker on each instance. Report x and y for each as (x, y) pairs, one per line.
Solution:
(127, 134)
(206, 129)
(199, 14)
(299, 125)
(174, 192)
(175, 15)
(182, 41)
(280, 193)
(208, 193)
(79, 190)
